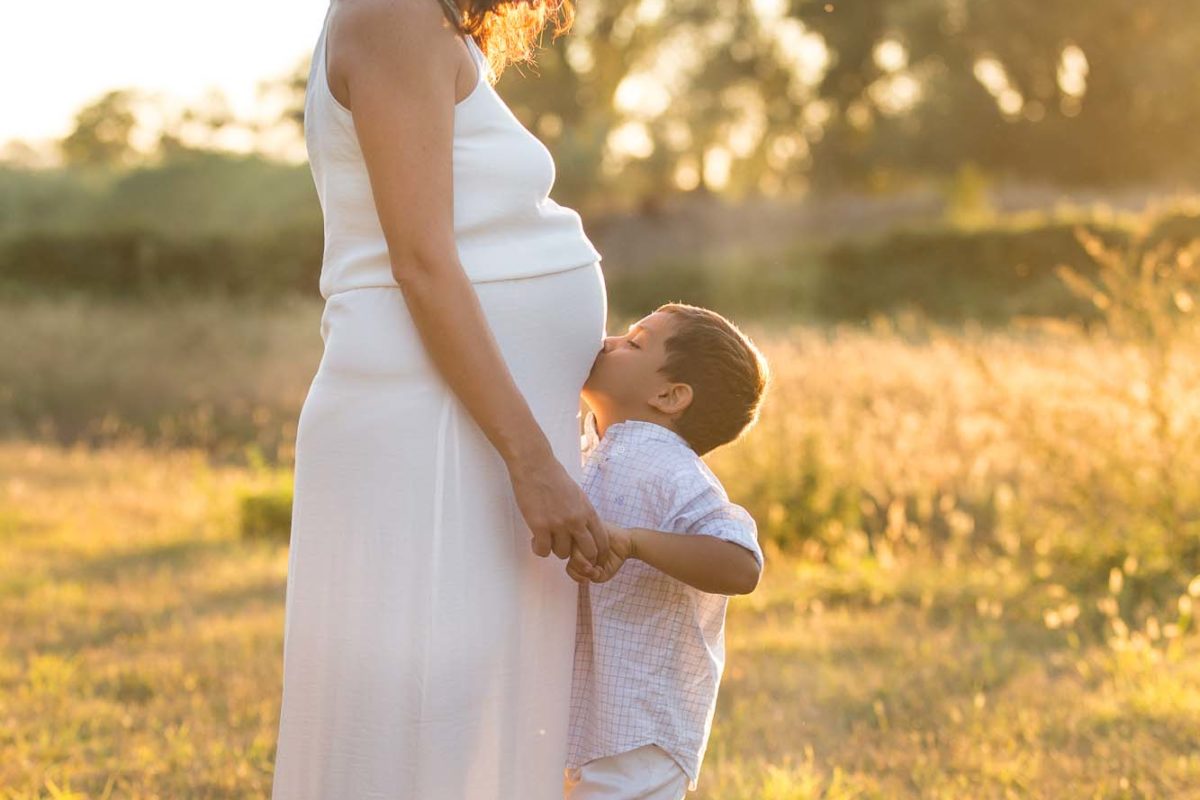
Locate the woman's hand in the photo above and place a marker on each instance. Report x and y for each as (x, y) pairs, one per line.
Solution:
(620, 549)
(558, 512)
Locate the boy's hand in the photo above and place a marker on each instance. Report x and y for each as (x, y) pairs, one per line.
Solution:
(620, 548)
(578, 568)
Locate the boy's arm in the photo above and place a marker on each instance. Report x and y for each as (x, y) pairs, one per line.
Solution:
(716, 548)
(707, 563)
(709, 542)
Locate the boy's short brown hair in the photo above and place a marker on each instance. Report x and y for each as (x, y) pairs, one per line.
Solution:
(727, 372)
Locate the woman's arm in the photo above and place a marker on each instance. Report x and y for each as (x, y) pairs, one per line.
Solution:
(399, 61)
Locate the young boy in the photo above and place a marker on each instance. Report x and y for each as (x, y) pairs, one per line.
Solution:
(650, 647)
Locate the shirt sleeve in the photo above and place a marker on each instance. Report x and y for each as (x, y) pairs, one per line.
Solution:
(700, 505)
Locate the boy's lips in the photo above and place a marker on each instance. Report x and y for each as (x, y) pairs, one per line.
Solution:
(595, 366)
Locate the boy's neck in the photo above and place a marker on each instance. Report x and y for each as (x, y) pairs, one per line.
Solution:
(603, 423)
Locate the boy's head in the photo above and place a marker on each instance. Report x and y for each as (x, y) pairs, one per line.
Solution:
(683, 367)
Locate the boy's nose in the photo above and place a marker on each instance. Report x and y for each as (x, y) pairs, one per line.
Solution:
(609, 342)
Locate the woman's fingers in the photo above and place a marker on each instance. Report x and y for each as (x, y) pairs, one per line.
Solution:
(591, 542)
(582, 543)
(540, 543)
(562, 544)
(577, 566)
(590, 537)
(599, 535)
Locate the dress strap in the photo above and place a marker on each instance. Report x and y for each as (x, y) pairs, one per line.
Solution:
(455, 13)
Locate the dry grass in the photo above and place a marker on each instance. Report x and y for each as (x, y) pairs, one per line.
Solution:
(142, 645)
(141, 642)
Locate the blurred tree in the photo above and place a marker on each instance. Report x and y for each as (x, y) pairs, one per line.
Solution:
(289, 90)
(101, 136)
(197, 128)
(210, 192)
(25, 154)
(1099, 92)
(746, 99)
(566, 96)
(645, 98)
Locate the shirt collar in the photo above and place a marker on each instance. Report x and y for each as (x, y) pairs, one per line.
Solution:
(626, 431)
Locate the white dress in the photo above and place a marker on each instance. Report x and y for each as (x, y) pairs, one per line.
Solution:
(427, 650)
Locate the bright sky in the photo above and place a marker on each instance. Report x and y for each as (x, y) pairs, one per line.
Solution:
(60, 54)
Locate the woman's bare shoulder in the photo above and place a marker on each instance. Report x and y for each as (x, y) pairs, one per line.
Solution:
(390, 41)
(398, 21)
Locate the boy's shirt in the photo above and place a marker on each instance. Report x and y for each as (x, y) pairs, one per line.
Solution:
(650, 649)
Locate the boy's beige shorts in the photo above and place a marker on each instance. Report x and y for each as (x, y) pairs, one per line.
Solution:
(646, 773)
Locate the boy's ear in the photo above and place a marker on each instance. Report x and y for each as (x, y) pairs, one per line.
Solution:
(673, 399)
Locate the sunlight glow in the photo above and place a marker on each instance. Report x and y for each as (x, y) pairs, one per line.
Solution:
(632, 139)
(717, 163)
(649, 11)
(771, 9)
(991, 73)
(1073, 71)
(803, 49)
(642, 95)
(890, 55)
(895, 94)
(579, 55)
(687, 177)
(73, 51)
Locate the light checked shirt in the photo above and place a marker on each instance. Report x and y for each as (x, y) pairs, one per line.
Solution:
(650, 649)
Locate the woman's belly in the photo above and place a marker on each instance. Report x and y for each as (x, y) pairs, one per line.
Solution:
(548, 328)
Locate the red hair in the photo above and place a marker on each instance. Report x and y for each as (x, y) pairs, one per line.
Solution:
(506, 30)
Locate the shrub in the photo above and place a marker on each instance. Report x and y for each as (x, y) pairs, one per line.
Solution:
(266, 514)
(137, 262)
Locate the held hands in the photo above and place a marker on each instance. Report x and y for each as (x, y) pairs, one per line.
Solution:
(561, 520)
(620, 549)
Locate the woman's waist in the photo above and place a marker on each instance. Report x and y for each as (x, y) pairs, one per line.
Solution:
(366, 265)
(388, 283)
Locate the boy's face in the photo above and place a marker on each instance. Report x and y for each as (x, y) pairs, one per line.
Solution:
(625, 381)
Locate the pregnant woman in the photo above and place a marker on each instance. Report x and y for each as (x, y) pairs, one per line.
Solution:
(428, 637)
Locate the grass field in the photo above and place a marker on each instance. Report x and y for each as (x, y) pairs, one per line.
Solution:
(142, 644)
(983, 556)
